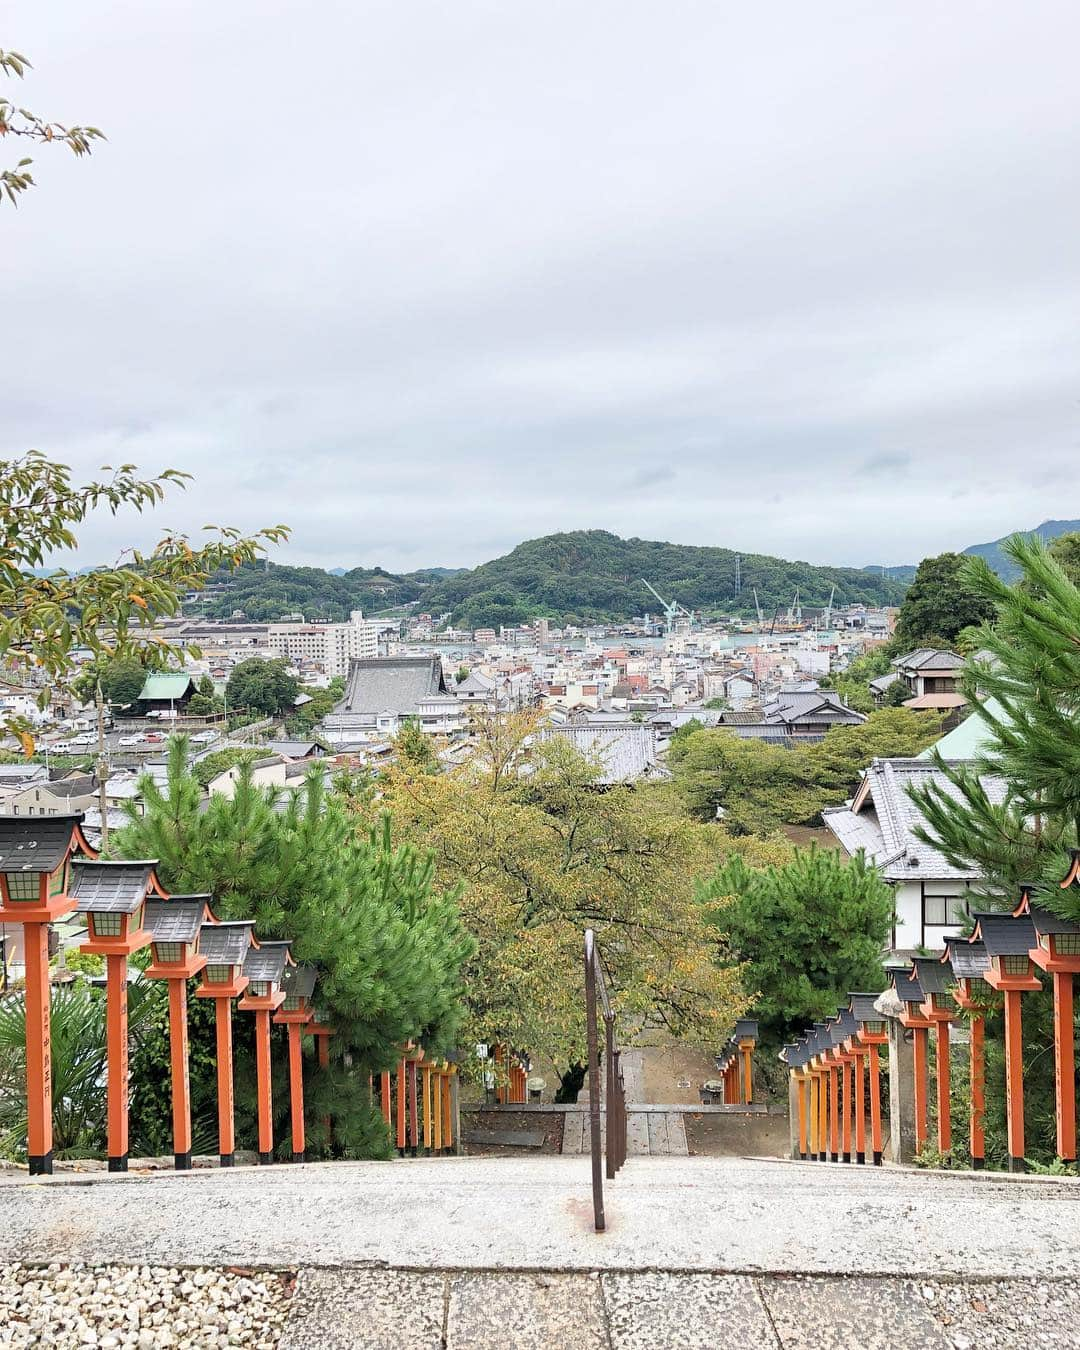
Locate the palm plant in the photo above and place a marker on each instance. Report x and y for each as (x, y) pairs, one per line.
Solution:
(78, 1067)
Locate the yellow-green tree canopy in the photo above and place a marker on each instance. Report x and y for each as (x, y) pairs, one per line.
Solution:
(543, 852)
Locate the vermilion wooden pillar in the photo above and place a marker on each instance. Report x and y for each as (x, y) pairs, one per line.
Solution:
(384, 1096)
(295, 1014)
(876, 1140)
(174, 926)
(426, 1093)
(264, 966)
(1065, 1065)
(401, 1106)
(858, 1074)
(448, 1116)
(812, 1111)
(224, 947)
(746, 1049)
(38, 1049)
(113, 896)
(1009, 939)
(823, 1115)
(970, 962)
(847, 1105)
(834, 1111)
(800, 1091)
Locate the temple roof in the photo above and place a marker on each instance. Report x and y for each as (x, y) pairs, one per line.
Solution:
(225, 944)
(177, 919)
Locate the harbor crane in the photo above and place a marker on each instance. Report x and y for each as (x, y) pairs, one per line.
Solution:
(828, 610)
(672, 609)
(757, 606)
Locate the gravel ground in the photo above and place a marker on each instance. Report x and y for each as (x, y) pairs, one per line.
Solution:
(141, 1306)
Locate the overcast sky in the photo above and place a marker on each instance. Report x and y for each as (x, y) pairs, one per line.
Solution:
(423, 280)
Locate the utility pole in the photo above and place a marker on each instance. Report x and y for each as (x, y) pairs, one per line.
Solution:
(102, 767)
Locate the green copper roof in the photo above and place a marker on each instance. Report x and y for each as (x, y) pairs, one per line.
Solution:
(967, 740)
(161, 687)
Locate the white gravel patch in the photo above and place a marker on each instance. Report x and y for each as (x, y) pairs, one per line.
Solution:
(141, 1306)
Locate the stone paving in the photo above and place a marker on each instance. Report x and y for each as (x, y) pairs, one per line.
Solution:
(501, 1252)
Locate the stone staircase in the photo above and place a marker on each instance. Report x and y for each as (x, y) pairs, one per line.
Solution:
(652, 1131)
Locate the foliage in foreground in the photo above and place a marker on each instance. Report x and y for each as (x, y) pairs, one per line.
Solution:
(808, 932)
(543, 853)
(762, 787)
(388, 943)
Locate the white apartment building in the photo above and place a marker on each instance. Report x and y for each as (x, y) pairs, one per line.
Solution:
(330, 646)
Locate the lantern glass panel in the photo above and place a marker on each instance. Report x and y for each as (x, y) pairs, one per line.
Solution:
(22, 885)
(875, 1028)
(169, 951)
(292, 1003)
(1067, 944)
(1014, 965)
(218, 974)
(259, 988)
(107, 925)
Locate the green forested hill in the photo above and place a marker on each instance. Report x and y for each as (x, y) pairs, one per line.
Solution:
(585, 575)
(594, 575)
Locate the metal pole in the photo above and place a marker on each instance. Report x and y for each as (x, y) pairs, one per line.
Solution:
(610, 1102)
(594, 1083)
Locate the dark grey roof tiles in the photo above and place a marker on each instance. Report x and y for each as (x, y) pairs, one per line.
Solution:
(177, 919)
(862, 1008)
(225, 944)
(266, 962)
(35, 845)
(109, 887)
(906, 983)
(299, 981)
(935, 975)
(395, 683)
(746, 1028)
(1046, 921)
(1005, 935)
(969, 960)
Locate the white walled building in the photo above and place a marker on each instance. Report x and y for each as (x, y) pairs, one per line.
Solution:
(880, 820)
(328, 645)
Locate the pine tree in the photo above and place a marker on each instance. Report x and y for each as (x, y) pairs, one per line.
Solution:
(808, 932)
(389, 947)
(1024, 685)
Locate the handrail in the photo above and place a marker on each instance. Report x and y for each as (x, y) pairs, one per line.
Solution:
(615, 1094)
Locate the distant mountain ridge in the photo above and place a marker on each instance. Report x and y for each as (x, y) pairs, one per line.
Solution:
(582, 576)
(992, 552)
(1003, 565)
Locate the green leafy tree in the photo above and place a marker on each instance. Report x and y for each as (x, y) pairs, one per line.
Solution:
(262, 686)
(206, 700)
(807, 931)
(388, 944)
(414, 748)
(761, 787)
(940, 603)
(27, 126)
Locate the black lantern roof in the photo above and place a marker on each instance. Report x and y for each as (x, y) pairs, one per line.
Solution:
(266, 961)
(1053, 925)
(299, 981)
(846, 1025)
(226, 944)
(746, 1029)
(969, 960)
(1005, 935)
(38, 845)
(109, 887)
(820, 1038)
(906, 983)
(863, 1010)
(935, 975)
(795, 1055)
(177, 919)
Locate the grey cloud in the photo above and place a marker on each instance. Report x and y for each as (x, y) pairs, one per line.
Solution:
(424, 281)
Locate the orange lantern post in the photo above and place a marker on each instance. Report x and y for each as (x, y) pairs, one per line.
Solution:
(909, 991)
(844, 1028)
(401, 1090)
(746, 1037)
(1057, 951)
(936, 979)
(969, 964)
(174, 926)
(264, 967)
(384, 1097)
(429, 1123)
(298, 985)
(224, 945)
(871, 1036)
(35, 857)
(113, 896)
(1009, 940)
